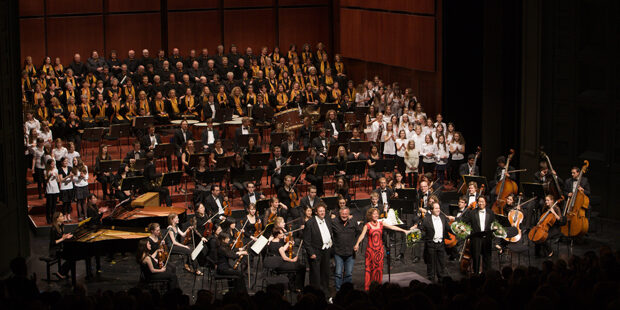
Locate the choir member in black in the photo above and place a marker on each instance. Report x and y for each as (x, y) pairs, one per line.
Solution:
(571, 183)
(209, 135)
(135, 153)
(200, 181)
(434, 229)
(290, 144)
(151, 268)
(175, 240)
(104, 177)
(372, 161)
(322, 142)
(480, 221)
(545, 249)
(238, 169)
(311, 200)
(188, 150)
(317, 243)
(153, 178)
(346, 231)
(278, 258)
(275, 165)
(123, 172)
(252, 196)
(57, 236)
(181, 136)
(224, 266)
(152, 139)
(65, 179)
(305, 132)
(310, 165)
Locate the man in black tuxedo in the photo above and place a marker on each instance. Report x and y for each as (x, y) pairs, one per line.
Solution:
(469, 168)
(332, 124)
(312, 161)
(480, 221)
(384, 192)
(209, 135)
(215, 202)
(290, 144)
(571, 183)
(321, 143)
(274, 167)
(181, 136)
(311, 200)
(252, 195)
(317, 243)
(245, 128)
(211, 107)
(134, 154)
(434, 229)
(150, 140)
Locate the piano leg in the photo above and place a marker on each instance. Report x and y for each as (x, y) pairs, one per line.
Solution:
(73, 273)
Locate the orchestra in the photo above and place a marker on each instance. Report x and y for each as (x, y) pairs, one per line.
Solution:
(221, 132)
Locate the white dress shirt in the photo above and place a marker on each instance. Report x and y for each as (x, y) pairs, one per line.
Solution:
(210, 137)
(482, 214)
(219, 205)
(335, 133)
(244, 130)
(438, 226)
(252, 197)
(327, 238)
(153, 140)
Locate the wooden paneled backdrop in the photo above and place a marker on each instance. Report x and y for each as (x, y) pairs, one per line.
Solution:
(399, 40)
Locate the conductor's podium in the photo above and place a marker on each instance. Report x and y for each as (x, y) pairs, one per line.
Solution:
(150, 199)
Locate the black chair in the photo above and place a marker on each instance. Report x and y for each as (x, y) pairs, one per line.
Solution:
(159, 285)
(273, 276)
(519, 249)
(49, 262)
(218, 279)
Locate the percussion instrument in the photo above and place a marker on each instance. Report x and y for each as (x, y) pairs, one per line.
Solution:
(290, 118)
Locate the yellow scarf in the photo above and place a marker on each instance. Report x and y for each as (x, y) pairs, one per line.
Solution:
(101, 110)
(43, 113)
(329, 80)
(323, 97)
(92, 80)
(175, 105)
(42, 83)
(68, 94)
(286, 83)
(130, 90)
(86, 111)
(294, 94)
(72, 108)
(132, 110)
(28, 85)
(301, 81)
(238, 106)
(71, 80)
(31, 70)
(144, 104)
(250, 98)
(160, 106)
(267, 71)
(273, 84)
(282, 101)
(116, 104)
(255, 70)
(306, 55)
(309, 96)
(351, 92)
(222, 99)
(47, 69)
(291, 55)
(324, 66)
(38, 96)
(294, 68)
(336, 94)
(86, 91)
(314, 81)
(189, 101)
(282, 69)
(339, 67)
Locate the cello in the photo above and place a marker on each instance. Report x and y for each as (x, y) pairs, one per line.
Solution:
(556, 190)
(515, 217)
(506, 188)
(575, 209)
(450, 240)
(540, 232)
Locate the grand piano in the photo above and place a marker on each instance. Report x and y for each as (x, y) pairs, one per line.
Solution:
(142, 211)
(98, 240)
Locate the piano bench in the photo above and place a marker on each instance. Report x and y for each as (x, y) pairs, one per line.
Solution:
(49, 261)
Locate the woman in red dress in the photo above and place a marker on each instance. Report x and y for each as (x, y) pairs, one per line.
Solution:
(374, 249)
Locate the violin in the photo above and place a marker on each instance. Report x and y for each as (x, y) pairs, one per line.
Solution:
(239, 241)
(226, 207)
(209, 227)
(540, 232)
(258, 227)
(474, 205)
(506, 188)
(163, 254)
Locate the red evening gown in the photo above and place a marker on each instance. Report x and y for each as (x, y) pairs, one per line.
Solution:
(374, 255)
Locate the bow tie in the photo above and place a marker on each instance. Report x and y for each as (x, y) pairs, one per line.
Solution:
(481, 211)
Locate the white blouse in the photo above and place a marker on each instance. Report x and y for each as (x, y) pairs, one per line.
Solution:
(389, 146)
(442, 155)
(58, 154)
(81, 180)
(71, 156)
(52, 182)
(67, 183)
(428, 152)
(457, 151)
(401, 145)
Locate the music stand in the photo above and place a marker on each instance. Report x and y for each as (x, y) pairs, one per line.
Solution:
(172, 178)
(93, 134)
(356, 167)
(480, 180)
(132, 183)
(358, 208)
(408, 194)
(385, 165)
(292, 170)
(360, 113)
(109, 165)
(449, 197)
(344, 136)
(403, 206)
(164, 150)
(326, 107)
(139, 164)
(325, 170)
(214, 176)
(258, 159)
(262, 205)
(502, 220)
(142, 122)
(532, 190)
(277, 138)
(331, 202)
(359, 146)
(224, 162)
(194, 159)
(297, 156)
(243, 139)
(253, 175)
(333, 149)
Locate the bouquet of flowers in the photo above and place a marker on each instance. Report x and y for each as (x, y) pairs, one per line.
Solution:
(461, 229)
(498, 230)
(413, 236)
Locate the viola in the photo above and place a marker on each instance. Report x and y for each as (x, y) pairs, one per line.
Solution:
(506, 188)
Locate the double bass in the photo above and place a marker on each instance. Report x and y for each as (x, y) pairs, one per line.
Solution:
(575, 210)
(555, 191)
(505, 188)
